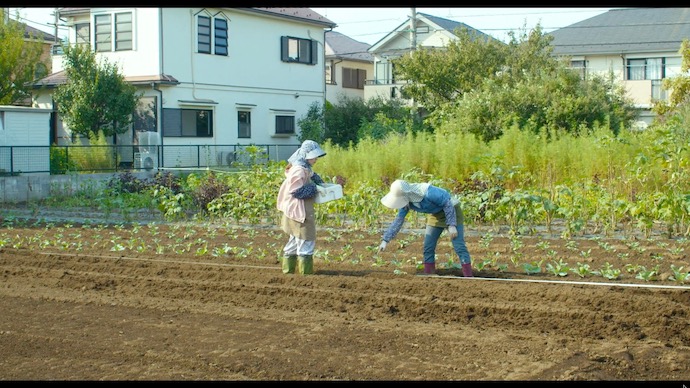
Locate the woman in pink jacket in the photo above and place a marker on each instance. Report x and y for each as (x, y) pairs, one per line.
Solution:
(296, 202)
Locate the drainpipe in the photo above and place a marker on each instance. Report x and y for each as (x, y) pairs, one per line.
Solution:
(159, 119)
(413, 46)
(159, 106)
(323, 71)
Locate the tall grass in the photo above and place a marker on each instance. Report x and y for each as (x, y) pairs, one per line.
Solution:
(523, 159)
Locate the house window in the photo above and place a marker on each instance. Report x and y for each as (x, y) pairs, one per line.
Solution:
(285, 125)
(299, 50)
(144, 118)
(204, 34)
(580, 67)
(354, 78)
(330, 78)
(220, 33)
(216, 38)
(384, 73)
(103, 33)
(187, 122)
(244, 124)
(645, 69)
(121, 29)
(83, 31)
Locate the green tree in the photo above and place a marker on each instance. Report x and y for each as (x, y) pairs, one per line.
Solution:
(439, 76)
(482, 87)
(311, 125)
(679, 85)
(96, 96)
(19, 59)
(560, 102)
(351, 119)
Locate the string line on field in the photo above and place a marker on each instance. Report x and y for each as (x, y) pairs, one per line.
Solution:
(561, 282)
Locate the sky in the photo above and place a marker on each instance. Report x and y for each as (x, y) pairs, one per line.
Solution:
(369, 25)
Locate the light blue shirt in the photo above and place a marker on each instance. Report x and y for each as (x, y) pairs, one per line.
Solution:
(435, 200)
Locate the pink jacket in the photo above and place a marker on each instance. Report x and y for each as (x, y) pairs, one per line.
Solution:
(296, 177)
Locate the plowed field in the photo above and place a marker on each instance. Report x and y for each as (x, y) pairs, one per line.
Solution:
(194, 302)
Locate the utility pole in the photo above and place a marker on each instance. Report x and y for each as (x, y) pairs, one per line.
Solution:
(55, 13)
(413, 29)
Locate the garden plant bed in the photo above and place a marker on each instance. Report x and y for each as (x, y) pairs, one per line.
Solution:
(192, 301)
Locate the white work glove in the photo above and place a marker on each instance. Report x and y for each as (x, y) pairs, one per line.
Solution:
(382, 246)
(452, 232)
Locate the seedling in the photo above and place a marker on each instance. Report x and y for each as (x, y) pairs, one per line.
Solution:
(558, 268)
(609, 272)
(647, 275)
(533, 267)
(583, 270)
(571, 245)
(678, 275)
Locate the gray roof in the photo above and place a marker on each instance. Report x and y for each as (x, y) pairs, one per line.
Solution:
(347, 48)
(625, 30)
(31, 32)
(452, 25)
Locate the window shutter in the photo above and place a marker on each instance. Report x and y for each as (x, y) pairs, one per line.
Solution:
(361, 77)
(314, 52)
(284, 48)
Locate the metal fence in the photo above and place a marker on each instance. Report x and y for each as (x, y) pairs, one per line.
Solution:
(15, 160)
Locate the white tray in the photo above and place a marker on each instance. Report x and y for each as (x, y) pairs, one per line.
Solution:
(328, 192)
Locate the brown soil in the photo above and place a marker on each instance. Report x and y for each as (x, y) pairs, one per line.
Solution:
(99, 303)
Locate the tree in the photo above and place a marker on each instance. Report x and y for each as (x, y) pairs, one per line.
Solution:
(483, 87)
(311, 125)
(679, 85)
(96, 96)
(19, 58)
(440, 75)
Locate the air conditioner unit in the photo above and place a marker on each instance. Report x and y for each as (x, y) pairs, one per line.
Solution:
(145, 160)
(226, 158)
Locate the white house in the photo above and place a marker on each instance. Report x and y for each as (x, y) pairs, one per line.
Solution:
(348, 64)
(429, 31)
(209, 76)
(640, 46)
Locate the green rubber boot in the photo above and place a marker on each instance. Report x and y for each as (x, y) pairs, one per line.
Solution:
(305, 264)
(289, 264)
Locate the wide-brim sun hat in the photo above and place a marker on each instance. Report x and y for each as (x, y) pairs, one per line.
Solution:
(395, 199)
(313, 150)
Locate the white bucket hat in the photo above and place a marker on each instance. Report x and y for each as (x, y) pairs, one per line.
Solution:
(395, 199)
(403, 192)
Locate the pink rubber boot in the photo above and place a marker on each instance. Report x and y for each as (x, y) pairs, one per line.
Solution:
(429, 268)
(467, 270)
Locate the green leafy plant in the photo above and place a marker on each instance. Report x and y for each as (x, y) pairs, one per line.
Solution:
(647, 274)
(679, 276)
(609, 272)
(582, 270)
(532, 267)
(558, 268)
